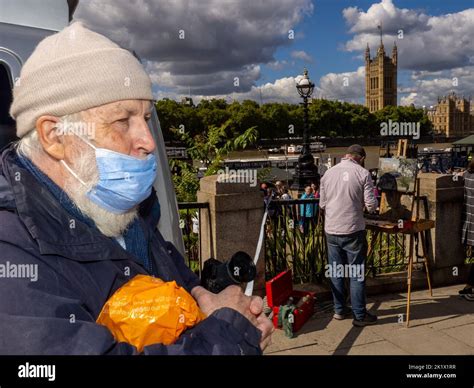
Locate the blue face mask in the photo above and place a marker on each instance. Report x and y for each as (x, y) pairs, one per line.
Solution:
(124, 181)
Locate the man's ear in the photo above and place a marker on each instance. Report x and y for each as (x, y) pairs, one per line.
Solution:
(48, 136)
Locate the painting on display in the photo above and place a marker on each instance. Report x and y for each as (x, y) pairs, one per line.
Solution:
(397, 174)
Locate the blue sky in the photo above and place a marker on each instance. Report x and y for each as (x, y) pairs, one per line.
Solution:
(247, 40)
(326, 30)
(323, 35)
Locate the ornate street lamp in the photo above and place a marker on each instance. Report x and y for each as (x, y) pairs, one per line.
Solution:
(306, 171)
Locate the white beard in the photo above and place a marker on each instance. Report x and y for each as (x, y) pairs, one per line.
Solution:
(85, 166)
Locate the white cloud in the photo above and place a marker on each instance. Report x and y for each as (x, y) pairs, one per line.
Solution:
(416, 75)
(303, 55)
(348, 86)
(222, 39)
(425, 91)
(281, 90)
(386, 13)
(430, 43)
(277, 65)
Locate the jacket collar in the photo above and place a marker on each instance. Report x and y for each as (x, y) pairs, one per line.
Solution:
(54, 229)
(350, 160)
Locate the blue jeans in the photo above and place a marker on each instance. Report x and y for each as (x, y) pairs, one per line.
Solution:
(348, 249)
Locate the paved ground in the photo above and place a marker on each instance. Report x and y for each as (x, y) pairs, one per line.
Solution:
(443, 324)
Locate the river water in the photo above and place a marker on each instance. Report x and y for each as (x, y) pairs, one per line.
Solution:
(372, 160)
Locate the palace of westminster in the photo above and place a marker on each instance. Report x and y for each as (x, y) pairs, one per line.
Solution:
(453, 116)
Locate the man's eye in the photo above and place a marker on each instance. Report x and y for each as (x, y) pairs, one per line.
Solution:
(123, 121)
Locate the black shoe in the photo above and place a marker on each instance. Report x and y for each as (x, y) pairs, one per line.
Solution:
(369, 319)
(466, 291)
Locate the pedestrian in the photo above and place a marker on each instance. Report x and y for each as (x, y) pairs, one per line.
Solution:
(345, 189)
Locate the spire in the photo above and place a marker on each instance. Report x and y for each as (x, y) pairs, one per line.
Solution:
(394, 53)
(381, 48)
(367, 52)
(381, 33)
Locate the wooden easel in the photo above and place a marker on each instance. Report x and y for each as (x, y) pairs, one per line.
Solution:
(417, 227)
(402, 147)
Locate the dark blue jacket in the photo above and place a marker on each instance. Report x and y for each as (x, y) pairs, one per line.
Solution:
(78, 270)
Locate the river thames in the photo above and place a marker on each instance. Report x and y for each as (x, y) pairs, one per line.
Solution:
(372, 159)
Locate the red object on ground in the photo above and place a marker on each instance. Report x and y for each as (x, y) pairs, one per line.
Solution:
(279, 289)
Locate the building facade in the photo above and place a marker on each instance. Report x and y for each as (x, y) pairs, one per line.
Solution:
(452, 116)
(380, 78)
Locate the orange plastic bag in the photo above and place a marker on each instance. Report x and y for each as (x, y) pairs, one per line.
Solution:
(147, 310)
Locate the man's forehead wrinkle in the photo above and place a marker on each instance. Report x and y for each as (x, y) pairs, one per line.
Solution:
(130, 107)
(105, 112)
(117, 107)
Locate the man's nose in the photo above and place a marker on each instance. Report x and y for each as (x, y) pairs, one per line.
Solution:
(144, 143)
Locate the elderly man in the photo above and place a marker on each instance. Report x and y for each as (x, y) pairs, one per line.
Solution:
(76, 202)
(345, 189)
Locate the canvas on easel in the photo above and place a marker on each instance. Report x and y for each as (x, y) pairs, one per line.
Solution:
(396, 177)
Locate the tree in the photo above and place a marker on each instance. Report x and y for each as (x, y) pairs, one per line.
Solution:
(281, 120)
(209, 148)
(408, 114)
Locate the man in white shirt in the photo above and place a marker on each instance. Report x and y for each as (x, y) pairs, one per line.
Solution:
(345, 189)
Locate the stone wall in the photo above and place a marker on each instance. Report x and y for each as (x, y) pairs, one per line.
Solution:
(445, 203)
(236, 212)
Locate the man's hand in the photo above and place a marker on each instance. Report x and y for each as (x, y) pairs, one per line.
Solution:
(233, 297)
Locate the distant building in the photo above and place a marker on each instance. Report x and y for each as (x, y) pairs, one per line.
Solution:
(453, 116)
(187, 101)
(380, 78)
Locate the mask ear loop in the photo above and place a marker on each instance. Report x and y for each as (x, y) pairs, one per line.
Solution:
(72, 172)
(67, 166)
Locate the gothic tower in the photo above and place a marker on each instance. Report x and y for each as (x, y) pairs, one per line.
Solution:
(380, 78)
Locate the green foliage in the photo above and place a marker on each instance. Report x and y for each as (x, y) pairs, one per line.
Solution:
(288, 246)
(214, 128)
(388, 253)
(273, 120)
(185, 180)
(210, 148)
(404, 114)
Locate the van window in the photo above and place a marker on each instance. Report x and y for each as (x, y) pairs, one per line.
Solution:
(7, 124)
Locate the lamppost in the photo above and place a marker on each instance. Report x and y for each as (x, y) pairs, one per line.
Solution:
(306, 171)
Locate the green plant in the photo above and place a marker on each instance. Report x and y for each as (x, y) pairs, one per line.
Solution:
(210, 149)
(287, 246)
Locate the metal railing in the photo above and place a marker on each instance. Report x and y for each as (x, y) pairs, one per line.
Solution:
(441, 162)
(297, 243)
(191, 226)
(390, 252)
(294, 239)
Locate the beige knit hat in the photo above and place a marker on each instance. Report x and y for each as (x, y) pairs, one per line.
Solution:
(73, 70)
